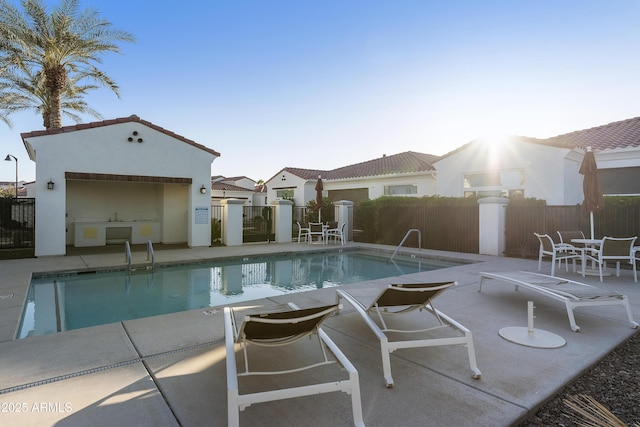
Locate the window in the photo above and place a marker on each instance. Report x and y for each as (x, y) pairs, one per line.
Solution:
(285, 194)
(395, 190)
(506, 183)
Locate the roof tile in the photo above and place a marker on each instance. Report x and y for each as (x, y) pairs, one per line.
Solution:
(132, 118)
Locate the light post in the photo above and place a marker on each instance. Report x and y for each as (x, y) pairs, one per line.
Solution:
(8, 159)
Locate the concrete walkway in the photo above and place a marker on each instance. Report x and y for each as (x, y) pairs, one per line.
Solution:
(170, 370)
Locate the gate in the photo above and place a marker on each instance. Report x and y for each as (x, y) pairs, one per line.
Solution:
(17, 223)
(257, 224)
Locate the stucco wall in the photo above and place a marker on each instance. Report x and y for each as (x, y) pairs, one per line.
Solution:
(108, 201)
(106, 150)
(547, 170)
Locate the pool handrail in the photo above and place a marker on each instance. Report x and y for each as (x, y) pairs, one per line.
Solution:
(405, 238)
(151, 256)
(127, 254)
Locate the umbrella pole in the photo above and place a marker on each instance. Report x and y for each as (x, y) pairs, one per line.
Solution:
(591, 221)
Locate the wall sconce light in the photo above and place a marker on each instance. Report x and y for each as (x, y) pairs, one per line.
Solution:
(203, 190)
(50, 185)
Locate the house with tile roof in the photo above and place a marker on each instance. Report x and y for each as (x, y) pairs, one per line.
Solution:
(517, 166)
(404, 174)
(544, 168)
(238, 187)
(116, 180)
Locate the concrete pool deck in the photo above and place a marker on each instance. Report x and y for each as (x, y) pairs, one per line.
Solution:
(170, 370)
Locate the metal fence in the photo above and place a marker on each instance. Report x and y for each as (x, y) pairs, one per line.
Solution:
(257, 224)
(17, 223)
(216, 225)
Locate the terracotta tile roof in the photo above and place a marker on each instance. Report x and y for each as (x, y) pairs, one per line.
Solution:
(407, 162)
(307, 173)
(622, 134)
(237, 178)
(220, 186)
(132, 118)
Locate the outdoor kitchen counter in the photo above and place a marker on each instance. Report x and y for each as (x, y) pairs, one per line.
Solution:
(101, 233)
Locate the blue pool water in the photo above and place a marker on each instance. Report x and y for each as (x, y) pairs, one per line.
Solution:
(75, 301)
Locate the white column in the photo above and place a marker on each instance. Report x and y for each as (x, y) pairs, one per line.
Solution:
(232, 222)
(50, 217)
(492, 225)
(283, 218)
(344, 213)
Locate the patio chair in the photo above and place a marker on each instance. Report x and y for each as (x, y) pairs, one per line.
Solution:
(399, 299)
(615, 249)
(566, 245)
(557, 252)
(335, 234)
(636, 258)
(303, 232)
(316, 229)
(280, 328)
(567, 236)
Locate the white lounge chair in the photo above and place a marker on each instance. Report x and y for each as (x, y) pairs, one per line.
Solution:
(278, 328)
(401, 299)
(573, 294)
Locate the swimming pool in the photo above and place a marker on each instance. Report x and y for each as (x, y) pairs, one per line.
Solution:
(82, 299)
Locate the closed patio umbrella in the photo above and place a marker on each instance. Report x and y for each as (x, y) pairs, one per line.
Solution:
(319, 187)
(593, 198)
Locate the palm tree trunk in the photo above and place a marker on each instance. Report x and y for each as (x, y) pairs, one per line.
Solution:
(56, 78)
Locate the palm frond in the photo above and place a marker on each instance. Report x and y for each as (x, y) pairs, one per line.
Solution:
(591, 413)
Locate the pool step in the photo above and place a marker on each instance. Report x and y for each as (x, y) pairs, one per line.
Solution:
(140, 268)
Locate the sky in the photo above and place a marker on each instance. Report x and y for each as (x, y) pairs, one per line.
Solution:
(324, 84)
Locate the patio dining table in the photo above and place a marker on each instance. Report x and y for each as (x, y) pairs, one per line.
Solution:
(593, 243)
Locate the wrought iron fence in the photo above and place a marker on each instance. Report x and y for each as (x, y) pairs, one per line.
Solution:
(257, 224)
(17, 223)
(216, 225)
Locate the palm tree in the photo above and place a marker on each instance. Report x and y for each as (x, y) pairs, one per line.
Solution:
(28, 92)
(53, 52)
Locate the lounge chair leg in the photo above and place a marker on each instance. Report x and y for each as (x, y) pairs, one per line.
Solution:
(572, 319)
(386, 363)
(472, 357)
(625, 303)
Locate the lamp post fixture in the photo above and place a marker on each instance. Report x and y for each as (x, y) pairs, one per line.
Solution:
(8, 159)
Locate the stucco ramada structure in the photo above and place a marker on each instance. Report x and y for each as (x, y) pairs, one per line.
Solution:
(124, 178)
